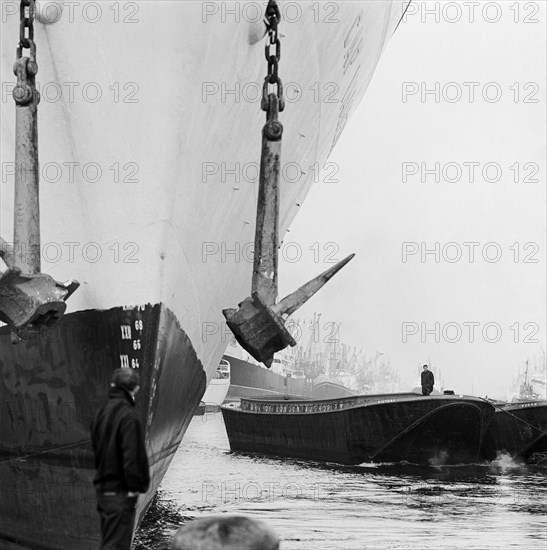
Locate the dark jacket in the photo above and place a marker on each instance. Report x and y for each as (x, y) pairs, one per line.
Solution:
(118, 444)
(427, 378)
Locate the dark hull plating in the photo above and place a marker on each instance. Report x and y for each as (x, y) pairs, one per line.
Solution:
(519, 429)
(51, 386)
(428, 430)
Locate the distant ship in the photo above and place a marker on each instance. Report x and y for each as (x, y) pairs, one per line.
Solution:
(147, 156)
(288, 375)
(251, 379)
(532, 388)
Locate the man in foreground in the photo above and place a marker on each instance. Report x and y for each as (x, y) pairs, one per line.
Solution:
(428, 380)
(120, 461)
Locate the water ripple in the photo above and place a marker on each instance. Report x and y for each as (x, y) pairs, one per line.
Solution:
(315, 506)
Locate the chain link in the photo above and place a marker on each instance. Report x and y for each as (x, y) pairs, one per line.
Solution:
(272, 78)
(25, 68)
(24, 24)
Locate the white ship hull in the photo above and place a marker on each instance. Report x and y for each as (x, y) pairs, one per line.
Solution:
(216, 392)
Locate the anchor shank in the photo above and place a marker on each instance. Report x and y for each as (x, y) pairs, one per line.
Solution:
(293, 301)
(267, 216)
(27, 210)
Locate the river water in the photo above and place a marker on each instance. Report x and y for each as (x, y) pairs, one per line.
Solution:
(500, 505)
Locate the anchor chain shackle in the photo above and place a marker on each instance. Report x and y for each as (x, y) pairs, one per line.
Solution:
(26, 68)
(26, 96)
(273, 17)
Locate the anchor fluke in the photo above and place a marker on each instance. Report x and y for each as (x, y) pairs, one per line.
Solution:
(29, 301)
(299, 297)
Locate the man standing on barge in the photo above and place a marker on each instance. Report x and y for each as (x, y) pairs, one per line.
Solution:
(120, 461)
(428, 380)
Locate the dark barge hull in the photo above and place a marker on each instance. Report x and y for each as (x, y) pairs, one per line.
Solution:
(519, 429)
(50, 388)
(381, 428)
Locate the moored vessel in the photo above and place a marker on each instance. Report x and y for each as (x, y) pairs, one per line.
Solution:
(253, 380)
(518, 429)
(446, 429)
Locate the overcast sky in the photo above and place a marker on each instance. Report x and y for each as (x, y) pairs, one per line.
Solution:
(371, 210)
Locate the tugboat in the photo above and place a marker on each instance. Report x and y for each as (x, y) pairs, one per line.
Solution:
(443, 429)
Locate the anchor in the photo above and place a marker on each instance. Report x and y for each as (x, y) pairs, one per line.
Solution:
(29, 299)
(259, 323)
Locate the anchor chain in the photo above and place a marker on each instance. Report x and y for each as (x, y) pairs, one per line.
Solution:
(26, 68)
(29, 299)
(272, 21)
(259, 322)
